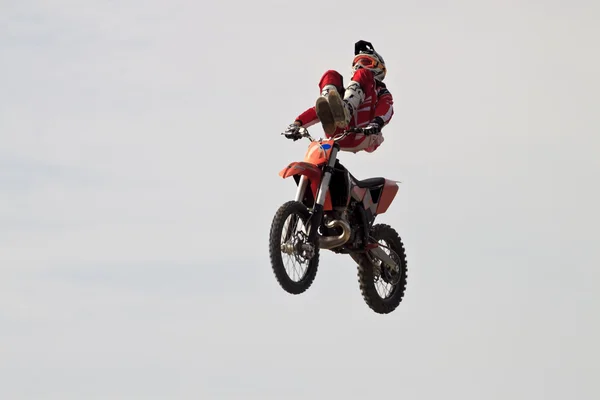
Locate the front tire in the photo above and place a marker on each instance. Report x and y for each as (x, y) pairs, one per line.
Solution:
(370, 274)
(294, 246)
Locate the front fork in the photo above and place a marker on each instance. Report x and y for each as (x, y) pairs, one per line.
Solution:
(301, 188)
(317, 215)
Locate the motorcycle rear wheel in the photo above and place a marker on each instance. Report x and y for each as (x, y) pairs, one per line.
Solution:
(369, 277)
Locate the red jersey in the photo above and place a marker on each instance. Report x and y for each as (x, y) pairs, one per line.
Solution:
(378, 105)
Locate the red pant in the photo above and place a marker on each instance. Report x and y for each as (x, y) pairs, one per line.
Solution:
(364, 77)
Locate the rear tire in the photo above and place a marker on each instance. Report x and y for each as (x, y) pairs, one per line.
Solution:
(290, 208)
(367, 275)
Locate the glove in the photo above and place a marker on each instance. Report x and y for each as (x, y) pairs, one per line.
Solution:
(293, 132)
(372, 129)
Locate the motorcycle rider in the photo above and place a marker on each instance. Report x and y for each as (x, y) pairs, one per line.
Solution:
(364, 103)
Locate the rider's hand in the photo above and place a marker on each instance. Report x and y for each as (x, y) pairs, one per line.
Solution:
(293, 131)
(372, 129)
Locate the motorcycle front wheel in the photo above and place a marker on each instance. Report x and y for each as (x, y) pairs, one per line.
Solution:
(289, 249)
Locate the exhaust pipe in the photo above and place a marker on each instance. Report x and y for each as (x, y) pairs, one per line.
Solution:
(329, 242)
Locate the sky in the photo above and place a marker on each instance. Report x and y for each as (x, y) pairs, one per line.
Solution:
(139, 151)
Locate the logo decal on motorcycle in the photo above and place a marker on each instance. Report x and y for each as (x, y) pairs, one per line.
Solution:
(326, 146)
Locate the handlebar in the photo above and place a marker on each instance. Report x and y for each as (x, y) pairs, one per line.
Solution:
(336, 138)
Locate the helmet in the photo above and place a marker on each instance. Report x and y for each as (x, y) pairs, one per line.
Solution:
(366, 57)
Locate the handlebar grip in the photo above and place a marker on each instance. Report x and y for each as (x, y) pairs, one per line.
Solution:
(356, 130)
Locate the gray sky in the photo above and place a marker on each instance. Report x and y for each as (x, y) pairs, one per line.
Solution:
(134, 258)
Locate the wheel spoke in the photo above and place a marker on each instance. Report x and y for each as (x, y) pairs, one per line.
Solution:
(385, 281)
(295, 270)
(295, 265)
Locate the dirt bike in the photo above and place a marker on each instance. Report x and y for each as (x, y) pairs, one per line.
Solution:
(335, 211)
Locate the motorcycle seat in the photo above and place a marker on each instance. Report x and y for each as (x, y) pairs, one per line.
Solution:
(369, 183)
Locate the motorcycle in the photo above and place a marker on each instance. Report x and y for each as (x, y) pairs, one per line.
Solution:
(335, 211)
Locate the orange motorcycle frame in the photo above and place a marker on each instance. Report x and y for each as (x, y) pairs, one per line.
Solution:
(315, 171)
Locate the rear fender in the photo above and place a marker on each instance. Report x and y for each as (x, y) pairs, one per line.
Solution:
(390, 189)
(313, 173)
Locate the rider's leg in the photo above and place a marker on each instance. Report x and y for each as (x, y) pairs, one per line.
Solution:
(331, 80)
(330, 85)
(361, 86)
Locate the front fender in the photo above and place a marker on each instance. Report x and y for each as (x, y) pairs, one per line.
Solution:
(313, 173)
(302, 168)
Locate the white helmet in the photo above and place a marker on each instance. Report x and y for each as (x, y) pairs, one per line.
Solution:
(366, 57)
